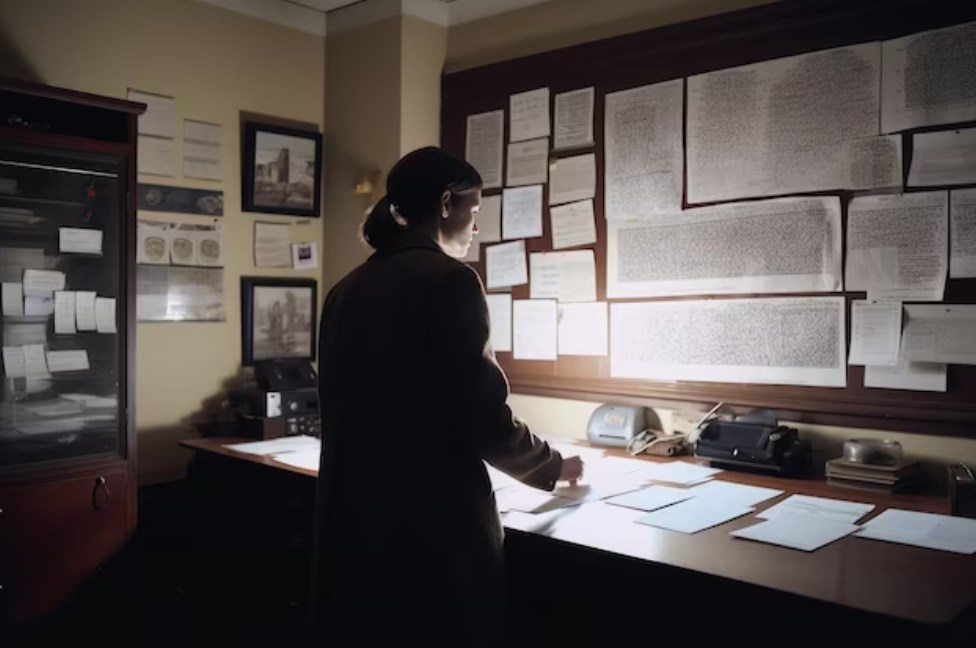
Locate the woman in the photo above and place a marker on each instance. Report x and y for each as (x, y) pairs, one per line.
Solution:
(409, 545)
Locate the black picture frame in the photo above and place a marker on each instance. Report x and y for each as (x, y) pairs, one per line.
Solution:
(262, 190)
(288, 333)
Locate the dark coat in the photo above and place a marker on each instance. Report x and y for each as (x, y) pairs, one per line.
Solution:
(409, 543)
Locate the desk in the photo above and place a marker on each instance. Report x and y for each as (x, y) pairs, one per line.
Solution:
(906, 590)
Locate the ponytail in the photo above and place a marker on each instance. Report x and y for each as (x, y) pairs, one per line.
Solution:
(379, 228)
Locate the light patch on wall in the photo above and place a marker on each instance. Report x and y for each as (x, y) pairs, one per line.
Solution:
(289, 14)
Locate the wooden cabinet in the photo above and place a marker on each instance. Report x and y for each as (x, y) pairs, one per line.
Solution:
(67, 260)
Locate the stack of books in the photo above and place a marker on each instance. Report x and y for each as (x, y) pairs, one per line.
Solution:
(872, 477)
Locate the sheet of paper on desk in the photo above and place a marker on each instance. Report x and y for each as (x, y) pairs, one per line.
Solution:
(574, 119)
(940, 333)
(522, 212)
(499, 480)
(528, 162)
(680, 472)
(943, 158)
(41, 283)
(13, 299)
(572, 179)
(897, 246)
(694, 515)
(500, 316)
(831, 509)
(797, 531)
(730, 493)
(942, 532)
(910, 98)
(307, 458)
(590, 490)
(962, 211)
(534, 329)
(79, 241)
(651, 498)
(644, 162)
(529, 115)
(484, 145)
(875, 333)
(64, 312)
(530, 500)
(916, 376)
(85, 310)
(505, 265)
(573, 225)
(275, 446)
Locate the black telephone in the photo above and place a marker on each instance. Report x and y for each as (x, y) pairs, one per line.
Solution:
(285, 375)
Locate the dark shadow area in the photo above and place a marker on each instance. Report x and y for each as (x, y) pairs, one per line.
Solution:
(12, 64)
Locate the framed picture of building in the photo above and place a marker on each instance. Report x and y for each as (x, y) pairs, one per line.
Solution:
(282, 170)
(277, 319)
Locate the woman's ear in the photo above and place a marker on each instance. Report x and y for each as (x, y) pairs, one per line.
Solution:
(445, 204)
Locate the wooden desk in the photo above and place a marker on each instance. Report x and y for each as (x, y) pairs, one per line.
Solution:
(907, 584)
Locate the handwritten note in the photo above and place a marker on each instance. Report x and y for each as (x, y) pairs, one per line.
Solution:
(528, 162)
(522, 212)
(572, 179)
(484, 144)
(574, 119)
(529, 113)
(875, 333)
(566, 276)
(573, 224)
(505, 265)
(534, 329)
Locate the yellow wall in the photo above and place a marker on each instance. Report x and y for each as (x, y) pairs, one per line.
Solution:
(215, 63)
(423, 49)
(561, 23)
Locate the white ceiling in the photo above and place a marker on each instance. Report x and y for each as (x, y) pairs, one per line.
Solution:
(310, 15)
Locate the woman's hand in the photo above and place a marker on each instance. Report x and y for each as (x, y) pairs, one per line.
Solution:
(572, 470)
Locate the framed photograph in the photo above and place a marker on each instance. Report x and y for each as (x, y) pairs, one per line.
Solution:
(278, 319)
(282, 169)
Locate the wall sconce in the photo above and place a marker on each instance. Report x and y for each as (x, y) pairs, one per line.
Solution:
(368, 184)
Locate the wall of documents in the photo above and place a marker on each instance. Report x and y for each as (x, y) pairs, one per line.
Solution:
(794, 212)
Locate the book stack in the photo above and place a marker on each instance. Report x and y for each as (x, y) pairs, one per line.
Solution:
(872, 477)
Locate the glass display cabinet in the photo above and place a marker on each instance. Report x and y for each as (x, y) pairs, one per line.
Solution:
(67, 223)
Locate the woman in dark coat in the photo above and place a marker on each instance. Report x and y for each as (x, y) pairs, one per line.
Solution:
(409, 543)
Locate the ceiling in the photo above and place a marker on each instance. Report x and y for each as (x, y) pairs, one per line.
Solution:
(310, 15)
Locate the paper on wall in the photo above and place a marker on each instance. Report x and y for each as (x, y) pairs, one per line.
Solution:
(731, 340)
(929, 79)
(875, 333)
(154, 243)
(105, 314)
(64, 312)
(573, 224)
(574, 119)
(566, 276)
(160, 116)
(505, 265)
(203, 150)
(13, 299)
(79, 241)
(583, 329)
(522, 212)
(572, 179)
(644, 161)
(42, 283)
(272, 245)
(783, 245)
(85, 310)
(210, 246)
(528, 162)
(962, 256)
(897, 246)
(790, 125)
(940, 333)
(484, 146)
(534, 329)
(529, 115)
(14, 365)
(489, 220)
(500, 315)
(943, 158)
(156, 156)
(915, 376)
(182, 246)
(74, 360)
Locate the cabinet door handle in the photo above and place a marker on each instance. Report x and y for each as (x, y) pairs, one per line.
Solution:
(100, 494)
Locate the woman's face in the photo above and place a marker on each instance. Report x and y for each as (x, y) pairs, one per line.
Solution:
(457, 230)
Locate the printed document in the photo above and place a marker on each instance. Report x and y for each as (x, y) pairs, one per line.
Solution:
(943, 158)
(534, 329)
(831, 509)
(522, 212)
(505, 265)
(940, 333)
(796, 531)
(572, 179)
(484, 145)
(574, 119)
(529, 115)
(566, 276)
(583, 329)
(528, 162)
(500, 315)
(875, 333)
